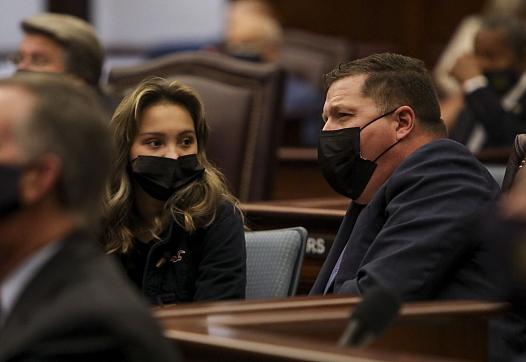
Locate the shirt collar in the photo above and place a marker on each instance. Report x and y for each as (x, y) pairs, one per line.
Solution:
(17, 280)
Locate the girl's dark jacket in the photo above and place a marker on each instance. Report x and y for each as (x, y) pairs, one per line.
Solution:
(209, 264)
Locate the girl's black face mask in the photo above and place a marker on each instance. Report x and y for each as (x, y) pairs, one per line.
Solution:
(340, 161)
(161, 177)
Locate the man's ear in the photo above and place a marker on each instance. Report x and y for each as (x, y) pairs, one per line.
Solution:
(40, 179)
(405, 116)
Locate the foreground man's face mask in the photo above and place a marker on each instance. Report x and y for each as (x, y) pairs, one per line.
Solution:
(9, 192)
(341, 163)
(161, 177)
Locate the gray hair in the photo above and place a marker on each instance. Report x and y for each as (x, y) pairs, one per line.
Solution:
(68, 121)
(514, 32)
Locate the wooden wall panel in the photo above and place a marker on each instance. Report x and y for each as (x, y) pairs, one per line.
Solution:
(80, 8)
(418, 28)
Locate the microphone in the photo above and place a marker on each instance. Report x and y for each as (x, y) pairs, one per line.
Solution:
(370, 318)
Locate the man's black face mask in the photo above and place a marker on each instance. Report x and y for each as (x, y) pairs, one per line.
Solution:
(340, 161)
(502, 81)
(161, 177)
(9, 192)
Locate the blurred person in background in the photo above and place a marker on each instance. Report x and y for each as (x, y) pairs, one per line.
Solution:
(59, 43)
(462, 40)
(254, 33)
(460, 43)
(494, 85)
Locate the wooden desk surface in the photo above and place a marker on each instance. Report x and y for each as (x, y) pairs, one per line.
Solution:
(307, 328)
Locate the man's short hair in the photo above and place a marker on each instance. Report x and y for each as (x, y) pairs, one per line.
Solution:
(84, 55)
(395, 80)
(67, 121)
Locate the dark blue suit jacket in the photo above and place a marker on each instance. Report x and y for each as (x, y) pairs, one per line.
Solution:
(483, 106)
(411, 237)
(79, 308)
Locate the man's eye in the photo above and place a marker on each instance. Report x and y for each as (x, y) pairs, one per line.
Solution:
(15, 58)
(39, 60)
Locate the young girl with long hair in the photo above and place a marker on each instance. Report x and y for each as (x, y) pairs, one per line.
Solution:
(169, 215)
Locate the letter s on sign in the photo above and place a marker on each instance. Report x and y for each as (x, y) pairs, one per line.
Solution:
(315, 246)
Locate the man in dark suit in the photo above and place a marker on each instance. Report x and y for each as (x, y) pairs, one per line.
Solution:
(61, 297)
(384, 146)
(493, 80)
(415, 193)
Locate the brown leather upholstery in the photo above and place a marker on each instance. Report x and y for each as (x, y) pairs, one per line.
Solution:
(515, 162)
(310, 56)
(242, 108)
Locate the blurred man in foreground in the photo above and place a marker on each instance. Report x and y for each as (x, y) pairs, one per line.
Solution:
(61, 298)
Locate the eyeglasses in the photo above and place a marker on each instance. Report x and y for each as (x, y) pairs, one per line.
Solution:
(37, 60)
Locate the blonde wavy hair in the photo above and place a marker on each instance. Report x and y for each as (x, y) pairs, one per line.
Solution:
(192, 207)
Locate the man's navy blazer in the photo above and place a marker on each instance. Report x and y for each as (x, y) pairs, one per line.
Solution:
(411, 237)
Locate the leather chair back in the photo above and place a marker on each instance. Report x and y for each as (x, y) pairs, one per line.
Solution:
(242, 109)
(310, 56)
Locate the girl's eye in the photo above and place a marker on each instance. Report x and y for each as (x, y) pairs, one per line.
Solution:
(187, 141)
(153, 143)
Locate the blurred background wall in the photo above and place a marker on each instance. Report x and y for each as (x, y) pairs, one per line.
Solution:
(418, 28)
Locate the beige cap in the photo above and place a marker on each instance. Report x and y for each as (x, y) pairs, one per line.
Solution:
(71, 31)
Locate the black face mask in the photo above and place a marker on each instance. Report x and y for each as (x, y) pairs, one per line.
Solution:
(502, 81)
(161, 177)
(9, 192)
(341, 163)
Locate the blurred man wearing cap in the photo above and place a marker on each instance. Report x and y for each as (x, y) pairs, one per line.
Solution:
(59, 43)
